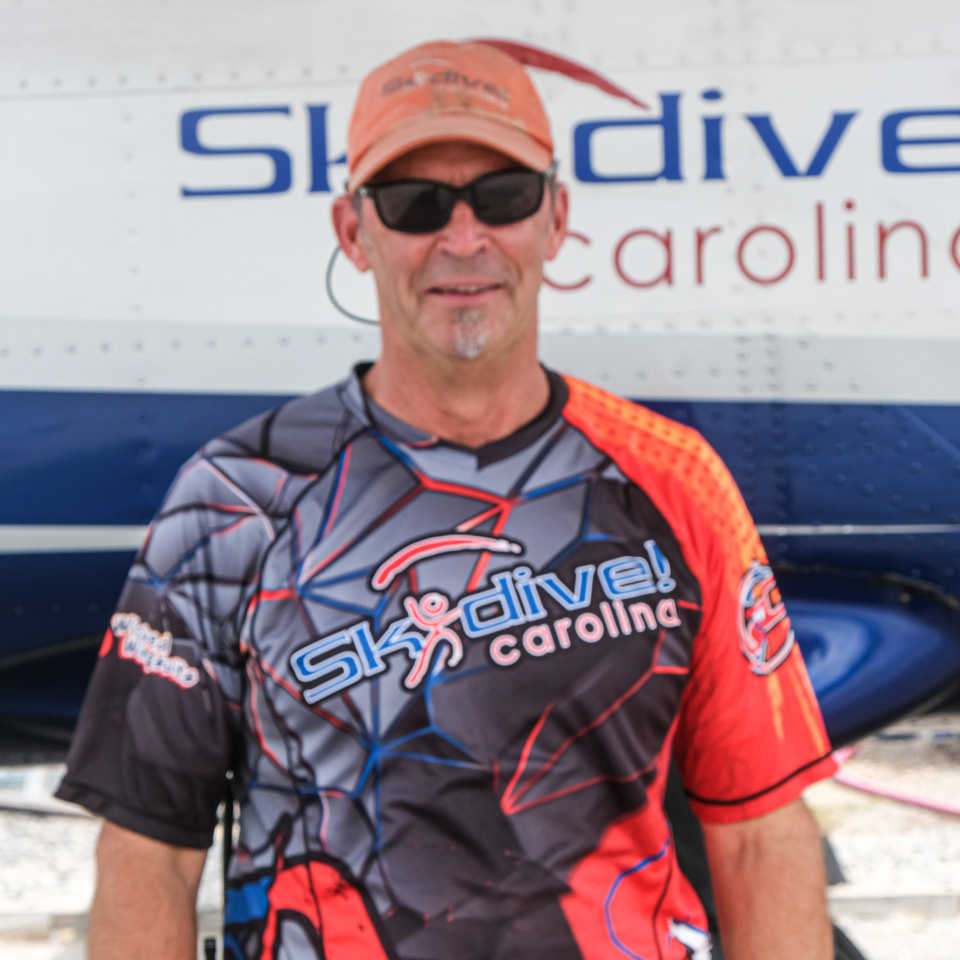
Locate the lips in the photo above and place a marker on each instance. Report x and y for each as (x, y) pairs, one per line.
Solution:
(464, 289)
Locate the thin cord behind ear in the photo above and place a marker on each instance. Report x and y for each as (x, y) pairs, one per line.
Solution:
(336, 302)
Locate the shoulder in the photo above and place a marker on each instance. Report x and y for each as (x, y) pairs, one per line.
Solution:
(302, 435)
(636, 436)
(672, 462)
(261, 466)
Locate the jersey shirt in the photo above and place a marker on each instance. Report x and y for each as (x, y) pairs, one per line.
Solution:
(448, 681)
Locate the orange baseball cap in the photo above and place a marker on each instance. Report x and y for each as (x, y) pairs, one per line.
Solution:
(446, 91)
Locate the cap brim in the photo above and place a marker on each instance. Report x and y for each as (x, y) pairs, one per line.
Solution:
(444, 127)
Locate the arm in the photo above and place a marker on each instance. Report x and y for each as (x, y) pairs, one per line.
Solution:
(769, 884)
(145, 901)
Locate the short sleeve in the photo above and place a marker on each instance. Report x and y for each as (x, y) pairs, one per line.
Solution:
(750, 735)
(160, 722)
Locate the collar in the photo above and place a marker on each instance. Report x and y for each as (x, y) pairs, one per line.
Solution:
(401, 432)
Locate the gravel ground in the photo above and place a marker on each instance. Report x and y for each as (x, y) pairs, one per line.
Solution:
(900, 901)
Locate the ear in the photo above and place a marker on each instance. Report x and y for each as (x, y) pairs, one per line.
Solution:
(558, 221)
(346, 225)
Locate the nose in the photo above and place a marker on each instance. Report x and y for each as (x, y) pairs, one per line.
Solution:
(464, 234)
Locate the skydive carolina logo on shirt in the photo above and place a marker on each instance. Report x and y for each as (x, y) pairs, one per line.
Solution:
(515, 600)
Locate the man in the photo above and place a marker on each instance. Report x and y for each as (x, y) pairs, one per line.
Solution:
(447, 620)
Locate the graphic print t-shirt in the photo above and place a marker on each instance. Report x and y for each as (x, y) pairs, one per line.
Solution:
(449, 681)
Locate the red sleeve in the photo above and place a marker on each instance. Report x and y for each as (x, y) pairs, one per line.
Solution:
(750, 735)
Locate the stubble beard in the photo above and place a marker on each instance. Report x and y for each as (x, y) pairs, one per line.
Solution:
(470, 334)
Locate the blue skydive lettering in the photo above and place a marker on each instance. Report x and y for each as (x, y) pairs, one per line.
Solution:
(634, 577)
(502, 596)
(661, 566)
(569, 599)
(532, 606)
(320, 159)
(668, 124)
(665, 130)
(626, 577)
(712, 141)
(280, 159)
(763, 124)
(892, 141)
(311, 663)
(399, 636)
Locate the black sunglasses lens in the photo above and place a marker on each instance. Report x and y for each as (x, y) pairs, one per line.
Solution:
(422, 206)
(507, 197)
(413, 207)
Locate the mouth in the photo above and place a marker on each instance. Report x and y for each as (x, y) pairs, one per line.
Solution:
(464, 289)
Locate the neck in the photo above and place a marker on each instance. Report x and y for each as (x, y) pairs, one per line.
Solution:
(471, 402)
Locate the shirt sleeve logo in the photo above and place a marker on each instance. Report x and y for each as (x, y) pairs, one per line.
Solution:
(766, 637)
(152, 650)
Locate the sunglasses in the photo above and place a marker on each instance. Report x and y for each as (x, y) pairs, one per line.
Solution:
(422, 206)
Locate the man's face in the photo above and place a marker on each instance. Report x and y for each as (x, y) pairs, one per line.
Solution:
(467, 290)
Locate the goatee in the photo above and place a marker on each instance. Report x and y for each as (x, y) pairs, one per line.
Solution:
(469, 333)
